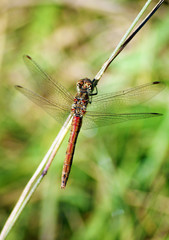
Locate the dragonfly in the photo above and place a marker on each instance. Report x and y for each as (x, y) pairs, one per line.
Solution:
(87, 108)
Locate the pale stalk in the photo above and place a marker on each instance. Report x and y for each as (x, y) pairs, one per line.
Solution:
(29, 189)
(127, 38)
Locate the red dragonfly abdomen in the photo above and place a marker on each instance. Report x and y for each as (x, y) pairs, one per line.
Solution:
(75, 128)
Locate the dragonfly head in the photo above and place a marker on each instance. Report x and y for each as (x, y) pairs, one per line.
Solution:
(85, 85)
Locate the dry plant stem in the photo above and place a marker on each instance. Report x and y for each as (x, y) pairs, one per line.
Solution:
(26, 200)
(30, 188)
(127, 37)
(18, 208)
(32, 184)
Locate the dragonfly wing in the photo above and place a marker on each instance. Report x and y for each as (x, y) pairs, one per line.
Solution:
(94, 119)
(46, 86)
(57, 111)
(118, 101)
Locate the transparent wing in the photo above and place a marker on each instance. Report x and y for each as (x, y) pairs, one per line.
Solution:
(46, 86)
(57, 111)
(118, 101)
(94, 119)
(105, 109)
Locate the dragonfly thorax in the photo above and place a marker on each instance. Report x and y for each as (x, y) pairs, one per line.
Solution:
(81, 100)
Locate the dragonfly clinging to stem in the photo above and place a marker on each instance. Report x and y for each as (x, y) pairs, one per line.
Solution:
(97, 109)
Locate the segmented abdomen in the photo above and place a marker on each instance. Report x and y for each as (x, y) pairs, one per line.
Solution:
(75, 128)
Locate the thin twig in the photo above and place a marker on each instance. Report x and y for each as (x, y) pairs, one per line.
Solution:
(127, 38)
(29, 189)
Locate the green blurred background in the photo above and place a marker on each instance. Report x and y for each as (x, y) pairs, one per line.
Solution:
(118, 186)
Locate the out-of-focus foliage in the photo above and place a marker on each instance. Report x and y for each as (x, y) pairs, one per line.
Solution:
(118, 185)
